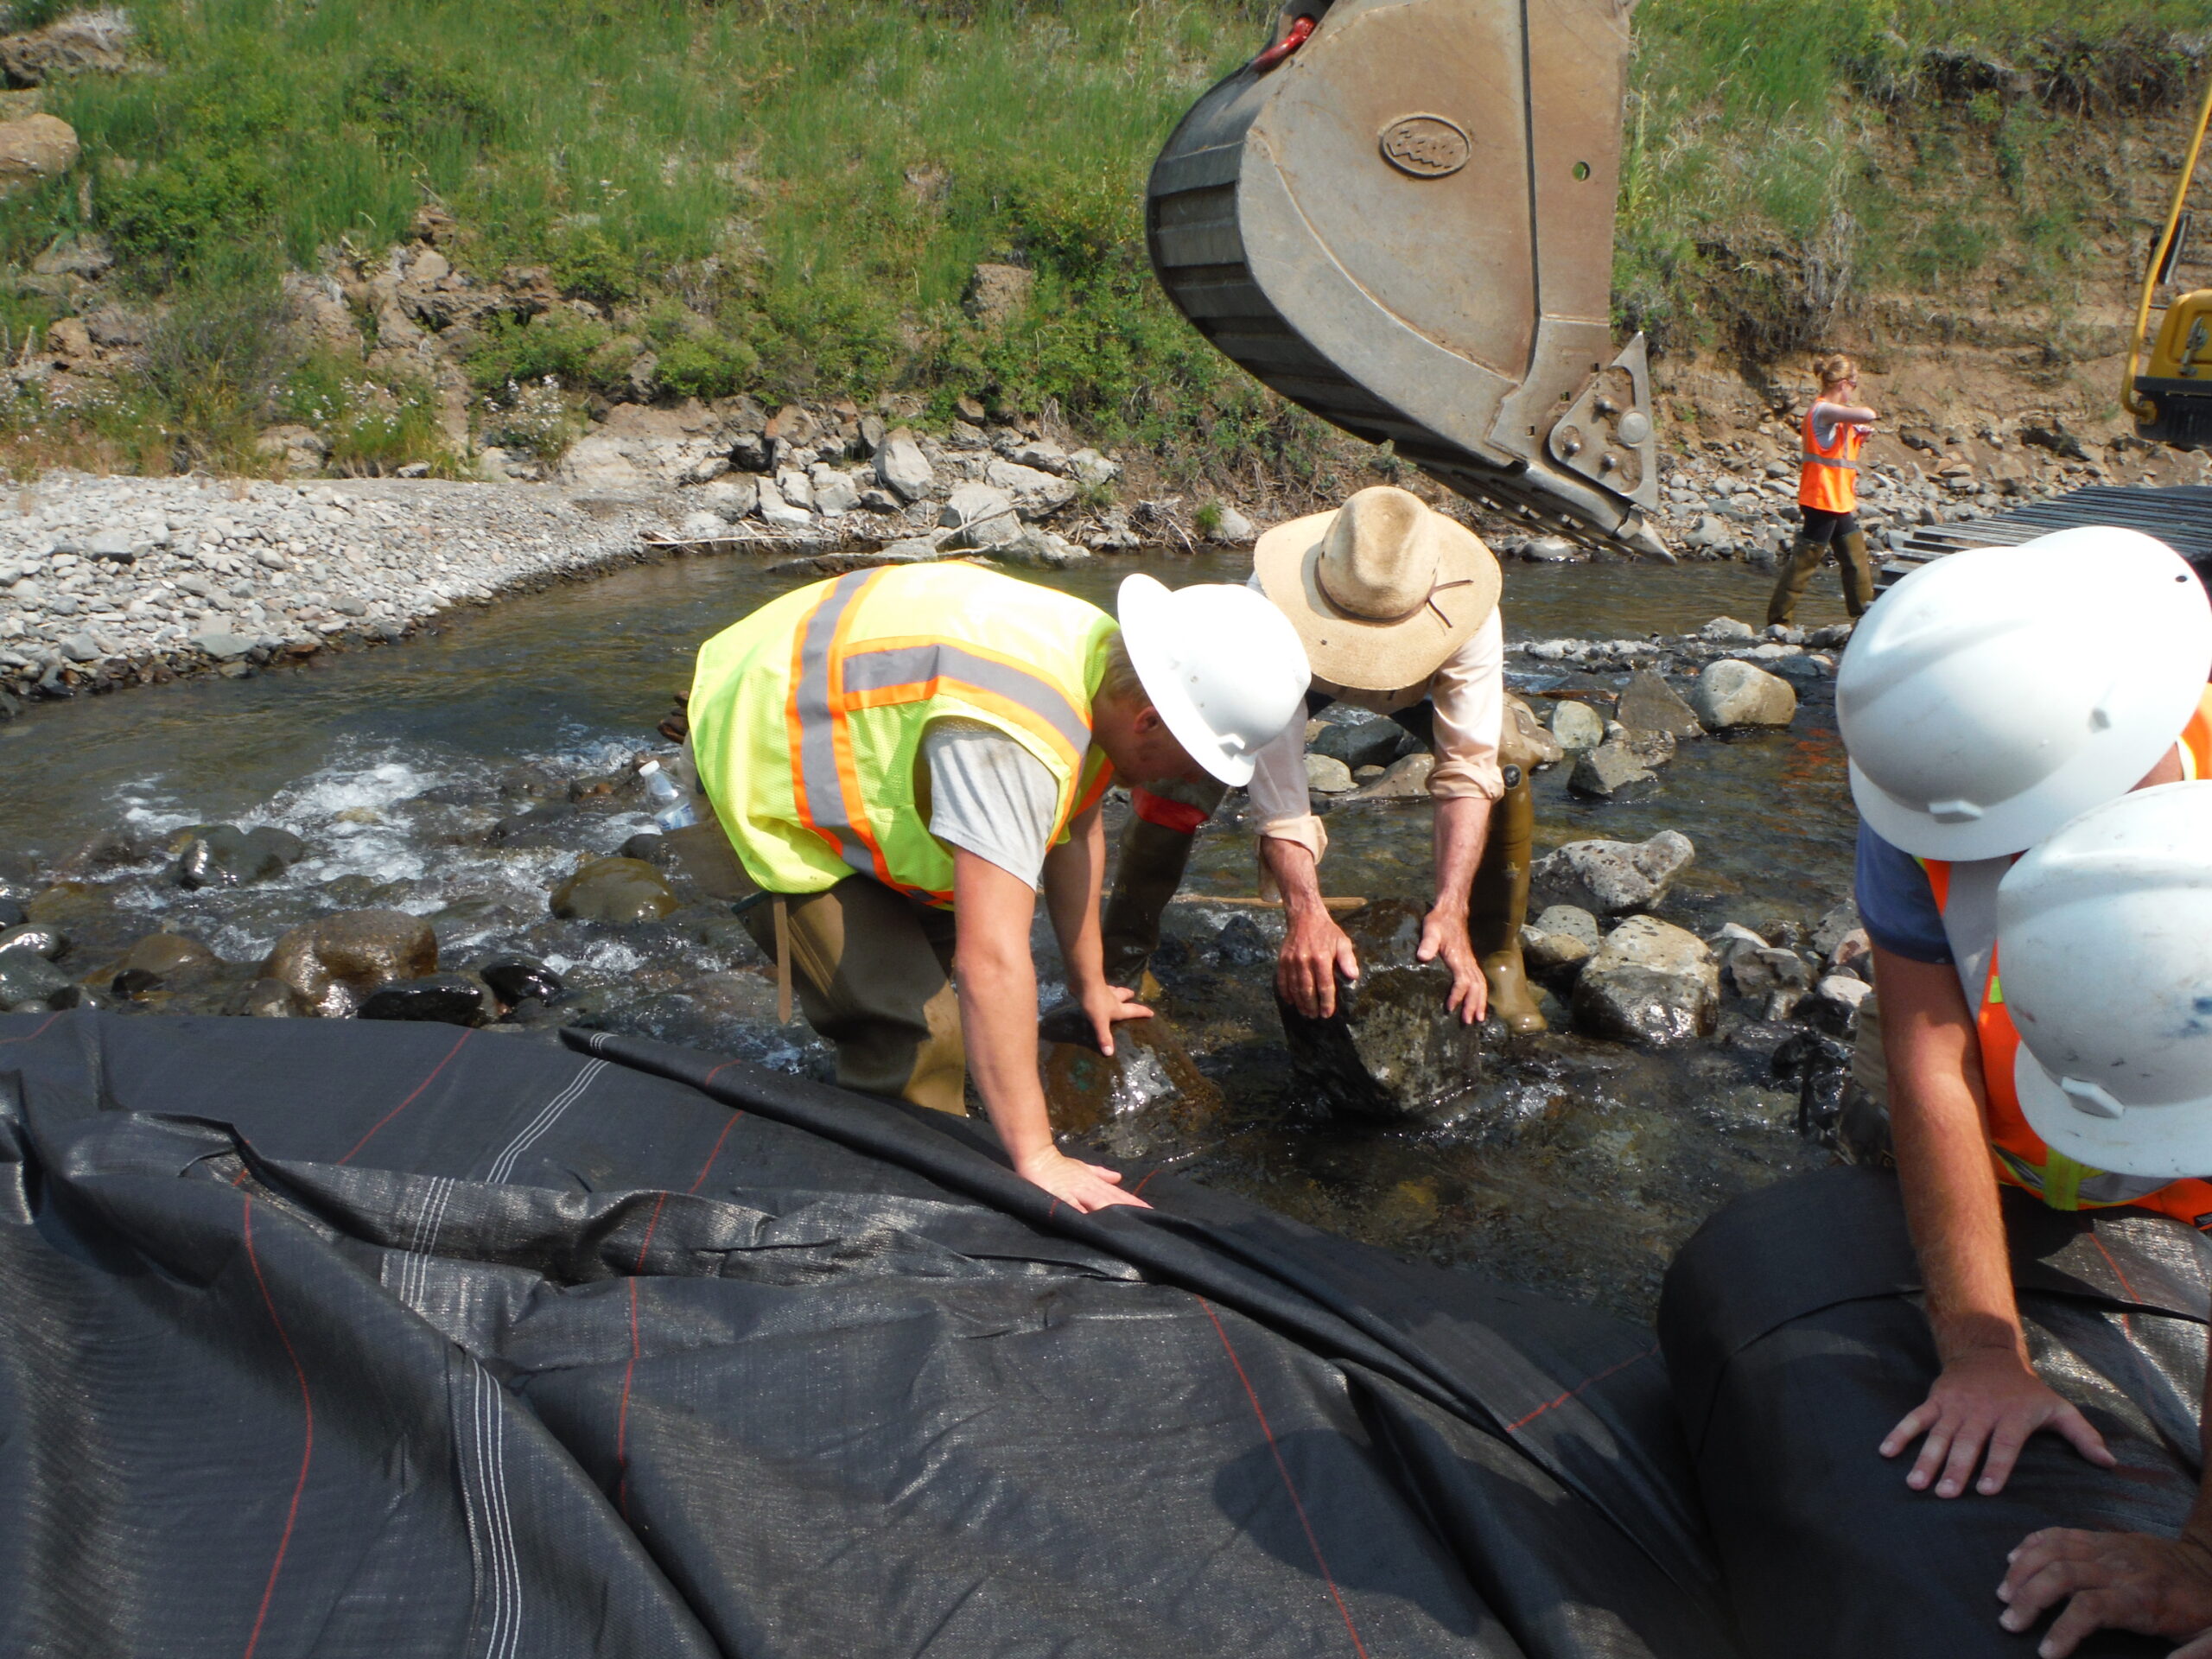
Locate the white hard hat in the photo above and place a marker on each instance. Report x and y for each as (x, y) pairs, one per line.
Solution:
(1995, 693)
(1221, 666)
(2104, 949)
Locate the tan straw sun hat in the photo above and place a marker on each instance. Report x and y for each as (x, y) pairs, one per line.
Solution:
(1381, 591)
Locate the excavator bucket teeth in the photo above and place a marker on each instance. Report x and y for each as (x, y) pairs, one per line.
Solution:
(1400, 217)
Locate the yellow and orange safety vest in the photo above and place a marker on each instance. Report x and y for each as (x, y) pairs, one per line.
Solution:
(1965, 893)
(1829, 481)
(807, 716)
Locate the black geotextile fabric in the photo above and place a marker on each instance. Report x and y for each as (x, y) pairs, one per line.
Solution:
(1794, 1334)
(343, 1338)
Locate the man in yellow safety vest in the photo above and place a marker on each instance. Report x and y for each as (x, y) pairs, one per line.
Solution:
(902, 758)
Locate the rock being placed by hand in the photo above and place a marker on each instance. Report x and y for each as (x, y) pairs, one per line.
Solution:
(1651, 984)
(1731, 694)
(1612, 878)
(615, 890)
(1391, 1050)
(331, 965)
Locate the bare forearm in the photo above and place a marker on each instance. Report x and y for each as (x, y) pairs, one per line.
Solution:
(1943, 1148)
(1295, 873)
(1075, 876)
(998, 1013)
(1462, 832)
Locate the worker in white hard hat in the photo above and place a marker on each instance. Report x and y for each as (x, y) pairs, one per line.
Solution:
(1396, 607)
(901, 759)
(1986, 700)
(2104, 934)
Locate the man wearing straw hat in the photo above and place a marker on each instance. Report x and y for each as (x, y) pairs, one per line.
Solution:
(1397, 606)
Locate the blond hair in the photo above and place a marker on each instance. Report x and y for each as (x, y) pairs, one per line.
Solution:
(1835, 370)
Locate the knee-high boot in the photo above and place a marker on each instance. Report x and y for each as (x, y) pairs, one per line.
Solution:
(1796, 573)
(1498, 904)
(1857, 572)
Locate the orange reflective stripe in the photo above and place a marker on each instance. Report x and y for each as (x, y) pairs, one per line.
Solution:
(1939, 880)
(826, 784)
(1096, 792)
(2197, 736)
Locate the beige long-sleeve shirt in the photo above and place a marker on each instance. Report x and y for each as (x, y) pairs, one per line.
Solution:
(1469, 692)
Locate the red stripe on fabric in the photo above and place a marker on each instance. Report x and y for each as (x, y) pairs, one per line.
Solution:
(1137, 1192)
(1586, 1382)
(1288, 1485)
(41, 1032)
(378, 1126)
(622, 1416)
(307, 1451)
(661, 1203)
(1168, 815)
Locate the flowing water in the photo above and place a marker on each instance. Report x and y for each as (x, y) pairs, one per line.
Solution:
(1579, 1168)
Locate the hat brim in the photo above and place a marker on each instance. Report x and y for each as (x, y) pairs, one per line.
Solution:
(1361, 655)
(2168, 1143)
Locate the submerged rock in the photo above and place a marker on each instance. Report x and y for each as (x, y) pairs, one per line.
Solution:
(441, 998)
(1651, 983)
(1612, 878)
(48, 942)
(168, 955)
(29, 982)
(1611, 771)
(331, 965)
(615, 890)
(1391, 1050)
(223, 855)
(1087, 1091)
(1732, 694)
(270, 999)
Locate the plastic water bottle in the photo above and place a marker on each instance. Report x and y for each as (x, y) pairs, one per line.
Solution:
(669, 809)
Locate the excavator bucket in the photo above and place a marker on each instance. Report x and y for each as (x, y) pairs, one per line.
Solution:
(1400, 217)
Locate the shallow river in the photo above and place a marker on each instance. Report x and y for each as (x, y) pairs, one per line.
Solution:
(1578, 1169)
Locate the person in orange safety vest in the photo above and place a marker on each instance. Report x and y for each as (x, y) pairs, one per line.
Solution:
(1827, 495)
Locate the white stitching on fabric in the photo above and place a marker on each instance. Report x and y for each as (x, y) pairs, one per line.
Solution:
(503, 1166)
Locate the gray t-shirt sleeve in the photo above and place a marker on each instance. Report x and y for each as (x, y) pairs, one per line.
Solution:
(991, 796)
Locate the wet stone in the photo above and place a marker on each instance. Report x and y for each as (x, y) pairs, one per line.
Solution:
(48, 942)
(269, 999)
(12, 914)
(615, 890)
(516, 980)
(134, 982)
(1612, 878)
(1731, 694)
(333, 963)
(1368, 741)
(168, 955)
(1391, 1051)
(1087, 1091)
(223, 855)
(534, 827)
(441, 998)
(1405, 779)
(28, 980)
(1327, 776)
(1647, 703)
(1651, 984)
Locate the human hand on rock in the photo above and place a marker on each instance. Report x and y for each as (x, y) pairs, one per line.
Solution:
(1082, 1186)
(1444, 933)
(2117, 1581)
(1986, 1397)
(1314, 951)
(1106, 1006)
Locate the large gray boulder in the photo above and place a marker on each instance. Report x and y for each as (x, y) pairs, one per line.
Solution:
(904, 469)
(1391, 1051)
(1730, 694)
(980, 515)
(1647, 703)
(1036, 494)
(1613, 878)
(1651, 984)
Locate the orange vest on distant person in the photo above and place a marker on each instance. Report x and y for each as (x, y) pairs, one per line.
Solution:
(1965, 893)
(1829, 480)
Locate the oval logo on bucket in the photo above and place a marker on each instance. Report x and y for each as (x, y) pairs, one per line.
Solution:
(1427, 146)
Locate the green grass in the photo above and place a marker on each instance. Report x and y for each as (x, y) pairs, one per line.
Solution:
(786, 197)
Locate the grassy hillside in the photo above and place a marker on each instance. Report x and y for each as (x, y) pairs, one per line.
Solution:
(787, 196)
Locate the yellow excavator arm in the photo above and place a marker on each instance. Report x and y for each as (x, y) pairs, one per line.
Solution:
(2169, 390)
(1400, 215)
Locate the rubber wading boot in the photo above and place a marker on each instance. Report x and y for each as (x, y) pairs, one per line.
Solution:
(1857, 572)
(1153, 858)
(1796, 573)
(1498, 905)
